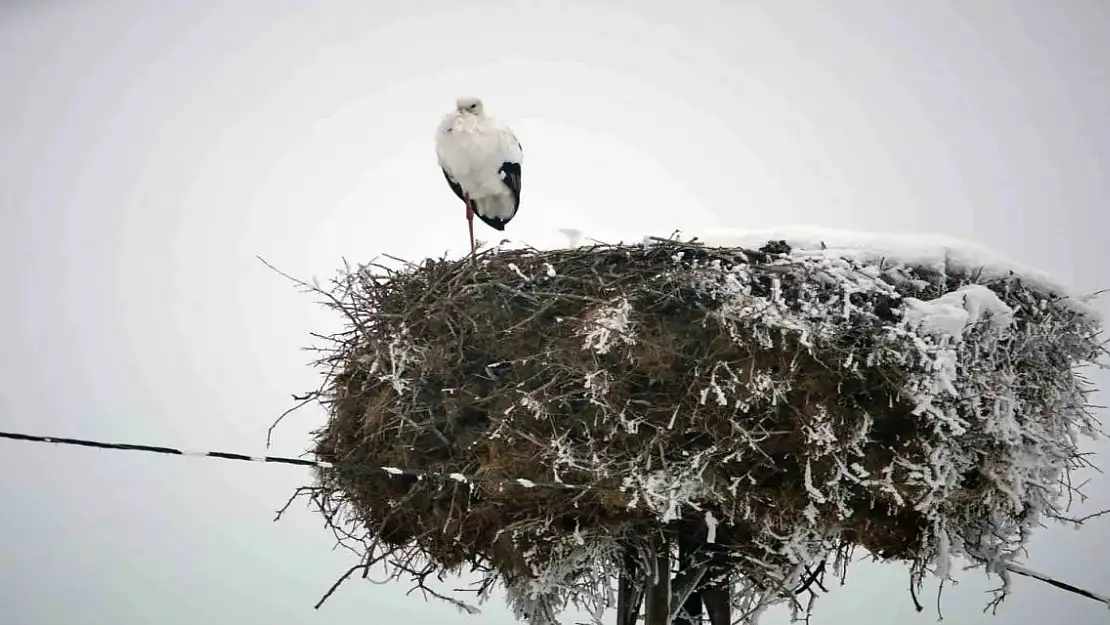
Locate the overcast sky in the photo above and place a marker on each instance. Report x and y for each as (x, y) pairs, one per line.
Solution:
(149, 150)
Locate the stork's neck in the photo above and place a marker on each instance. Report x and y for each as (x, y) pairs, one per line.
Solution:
(460, 122)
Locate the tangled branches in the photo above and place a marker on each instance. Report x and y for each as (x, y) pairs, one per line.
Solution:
(776, 407)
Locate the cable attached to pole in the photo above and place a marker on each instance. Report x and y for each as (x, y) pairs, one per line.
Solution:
(225, 455)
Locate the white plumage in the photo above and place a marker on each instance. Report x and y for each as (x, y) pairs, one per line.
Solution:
(481, 160)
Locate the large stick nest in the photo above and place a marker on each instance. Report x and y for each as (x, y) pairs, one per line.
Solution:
(781, 405)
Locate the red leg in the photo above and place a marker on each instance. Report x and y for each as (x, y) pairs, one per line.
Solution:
(470, 224)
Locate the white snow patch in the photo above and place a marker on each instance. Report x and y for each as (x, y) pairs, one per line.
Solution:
(944, 555)
(518, 272)
(666, 493)
(952, 313)
(607, 323)
(710, 528)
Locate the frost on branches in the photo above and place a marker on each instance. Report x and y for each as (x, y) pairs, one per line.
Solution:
(782, 405)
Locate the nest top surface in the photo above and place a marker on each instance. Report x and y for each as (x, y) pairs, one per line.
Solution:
(933, 253)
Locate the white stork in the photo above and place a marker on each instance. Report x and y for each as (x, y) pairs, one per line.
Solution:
(481, 161)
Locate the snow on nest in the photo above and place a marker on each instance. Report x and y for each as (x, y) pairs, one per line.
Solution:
(933, 252)
(952, 313)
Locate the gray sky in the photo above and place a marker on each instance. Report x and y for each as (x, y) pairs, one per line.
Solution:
(148, 150)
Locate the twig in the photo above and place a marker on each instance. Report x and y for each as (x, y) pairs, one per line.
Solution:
(812, 578)
(1083, 519)
(913, 595)
(300, 492)
(302, 401)
(338, 582)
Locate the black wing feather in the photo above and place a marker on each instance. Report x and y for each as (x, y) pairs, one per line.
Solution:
(454, 185)
(510, 175)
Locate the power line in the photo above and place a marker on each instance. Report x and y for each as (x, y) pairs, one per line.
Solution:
(419, 474)
(225, 455)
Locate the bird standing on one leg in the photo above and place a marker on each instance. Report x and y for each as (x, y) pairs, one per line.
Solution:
(481, 161)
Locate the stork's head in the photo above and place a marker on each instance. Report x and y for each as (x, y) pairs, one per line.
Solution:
(470, 104)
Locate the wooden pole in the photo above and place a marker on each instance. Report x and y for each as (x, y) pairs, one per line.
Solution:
(688, 575)
(625, 616)
(658, 611)
(717, 595)
(630, 589)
